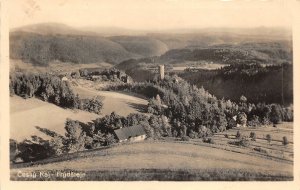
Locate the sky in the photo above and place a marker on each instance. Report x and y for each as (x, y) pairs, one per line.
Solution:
(152, 14)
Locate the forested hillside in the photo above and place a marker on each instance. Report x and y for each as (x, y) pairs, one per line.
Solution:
(264, 53)
(41, 49)
(272, 84)
(141, 45)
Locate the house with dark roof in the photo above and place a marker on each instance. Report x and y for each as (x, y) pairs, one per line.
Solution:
(134, 133)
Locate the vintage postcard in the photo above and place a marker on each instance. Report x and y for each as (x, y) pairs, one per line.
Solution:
(162, 90)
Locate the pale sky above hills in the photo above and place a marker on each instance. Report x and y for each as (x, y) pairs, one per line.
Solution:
(152, 14)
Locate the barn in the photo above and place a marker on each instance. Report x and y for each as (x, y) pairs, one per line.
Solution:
(134, 133)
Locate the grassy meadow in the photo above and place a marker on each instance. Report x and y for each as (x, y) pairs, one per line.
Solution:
(177, 160)
(26, 114)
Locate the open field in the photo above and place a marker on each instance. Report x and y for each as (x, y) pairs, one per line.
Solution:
(197, 65)
(182, 161)
(26, 114)
(56, 67)
(261, 147)
(122, 104)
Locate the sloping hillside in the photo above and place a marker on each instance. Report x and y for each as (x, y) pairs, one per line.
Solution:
(136, 70)
(42, 43)
(51, 29)
(181, 38)
(56, 67)
(198, 162)
(26, 114)
(272, 85)
(41, 49)
(141, 45)
(265, 53)
(122, 104)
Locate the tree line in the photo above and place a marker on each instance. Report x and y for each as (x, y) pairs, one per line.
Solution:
(97, 74)
(51, 88)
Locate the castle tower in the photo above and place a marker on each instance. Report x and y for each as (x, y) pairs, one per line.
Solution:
(161, 72)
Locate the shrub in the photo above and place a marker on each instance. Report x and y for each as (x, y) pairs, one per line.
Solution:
(13, 148)
(253, 136)
(288, 114)
(192, 134)
(254, 122)
(91, 105)
(231, 123)
(285, 141)
(242, 118)
(242, 142)
(109, 139)
(243, 99)
(226, 136)
(276, 114)
(269, 138)
(266, 121)
(238, 135)
(259, 149)
(57, 144)
(75, 137)
(155, 106)
(34, 149)
(208, 140)
(185, 138)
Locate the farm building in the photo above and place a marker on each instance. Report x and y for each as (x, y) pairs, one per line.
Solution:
(134, 133)
(64, 79)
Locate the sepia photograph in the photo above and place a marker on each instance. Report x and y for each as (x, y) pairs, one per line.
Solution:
(162, 90)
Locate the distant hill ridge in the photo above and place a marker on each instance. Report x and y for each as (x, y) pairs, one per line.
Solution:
(41, 49)
(43, 43)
